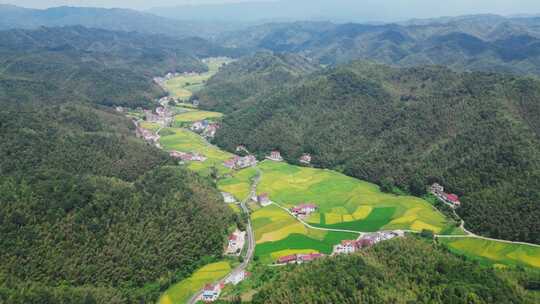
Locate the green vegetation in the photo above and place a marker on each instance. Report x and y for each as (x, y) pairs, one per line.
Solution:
(184, 86)
(345, 202)
(494, 252)
(184, 290)
(398, 271)
(476, 134)
(231, 88)
(192, 116)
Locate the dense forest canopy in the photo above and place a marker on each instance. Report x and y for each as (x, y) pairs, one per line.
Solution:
(474, 43)
(473, 132)
(398, 271)
(88, 212)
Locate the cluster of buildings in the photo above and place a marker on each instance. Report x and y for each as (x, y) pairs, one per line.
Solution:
(211, 292)
(183, 156)
(236, 242)
(298, 258)
(366, 240)
(162, 115)
(263, 199)
(303, 210)
(450, 199)
(205, 128)
(238, 162)
(276, 156)
(148, 136)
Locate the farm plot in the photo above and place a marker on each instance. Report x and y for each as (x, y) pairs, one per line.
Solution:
(184, 290)
(184, 86)
(345, 202)
(192, 116)
(495, 252)
(277, 233)
(174, 139)
(239, 184)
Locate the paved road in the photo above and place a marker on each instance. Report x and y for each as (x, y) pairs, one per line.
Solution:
(250, 240)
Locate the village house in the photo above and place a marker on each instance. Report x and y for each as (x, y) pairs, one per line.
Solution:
(199, 126)
(187, 156)
(210, 131)
(304, 209)
(236, 242)
(305, 159)
(275, 156)
(211, 292)
(298, 258)
(147, 135)
(451, 199)
(364, 241)
(264, 199)
(238, 162)
(228, 198)
(237, 277)
(241, 148)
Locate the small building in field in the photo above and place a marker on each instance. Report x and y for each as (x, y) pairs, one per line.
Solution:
(453, 199)
(450, 199)
(236, 242)
(275, 156)
(198, 157)
(305, 159)
(238, 162)
(346, 247)
(305, 258)
(264, 199)
(228, 198)
(437, 189)
(304, 209)
(240, 148)
(199, 126)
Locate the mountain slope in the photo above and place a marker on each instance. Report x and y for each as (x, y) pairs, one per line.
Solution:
(475, 133)
(476, 43)
(105, 67)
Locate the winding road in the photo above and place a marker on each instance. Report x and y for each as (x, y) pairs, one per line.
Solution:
(250, 240)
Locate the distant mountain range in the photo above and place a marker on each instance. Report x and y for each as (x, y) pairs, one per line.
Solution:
(110, 19)
(484, 42)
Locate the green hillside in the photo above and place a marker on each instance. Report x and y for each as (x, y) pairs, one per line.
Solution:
(398, 271)
(474, 133)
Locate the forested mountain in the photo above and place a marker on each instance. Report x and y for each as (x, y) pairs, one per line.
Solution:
(477, 43)
(89, 213)
(476, 133)
(13, 17)
(105, 67)
(240, 80)
(399, 271)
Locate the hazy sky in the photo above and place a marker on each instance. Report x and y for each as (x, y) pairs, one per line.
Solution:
(387, 8)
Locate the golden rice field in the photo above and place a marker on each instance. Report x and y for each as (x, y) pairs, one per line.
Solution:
(175, 139)
(347, 203)
(239, 184)
(495, 252)
(181, 292)
(152, 126)
(192, 116)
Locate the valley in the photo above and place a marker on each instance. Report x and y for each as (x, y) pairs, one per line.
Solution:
(346, 209)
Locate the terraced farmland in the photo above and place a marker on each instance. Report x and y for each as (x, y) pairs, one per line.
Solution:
(277, 233)
(192, 116)
(347, 203)
(494, 252)
(186, 141)
(184, 290)
(239, 184)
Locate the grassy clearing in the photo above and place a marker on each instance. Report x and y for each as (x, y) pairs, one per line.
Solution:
(345, 202)
(187, 141)
(182, 291)
(150, 126)
(495, 252)
(183, 87)
(239, 184)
